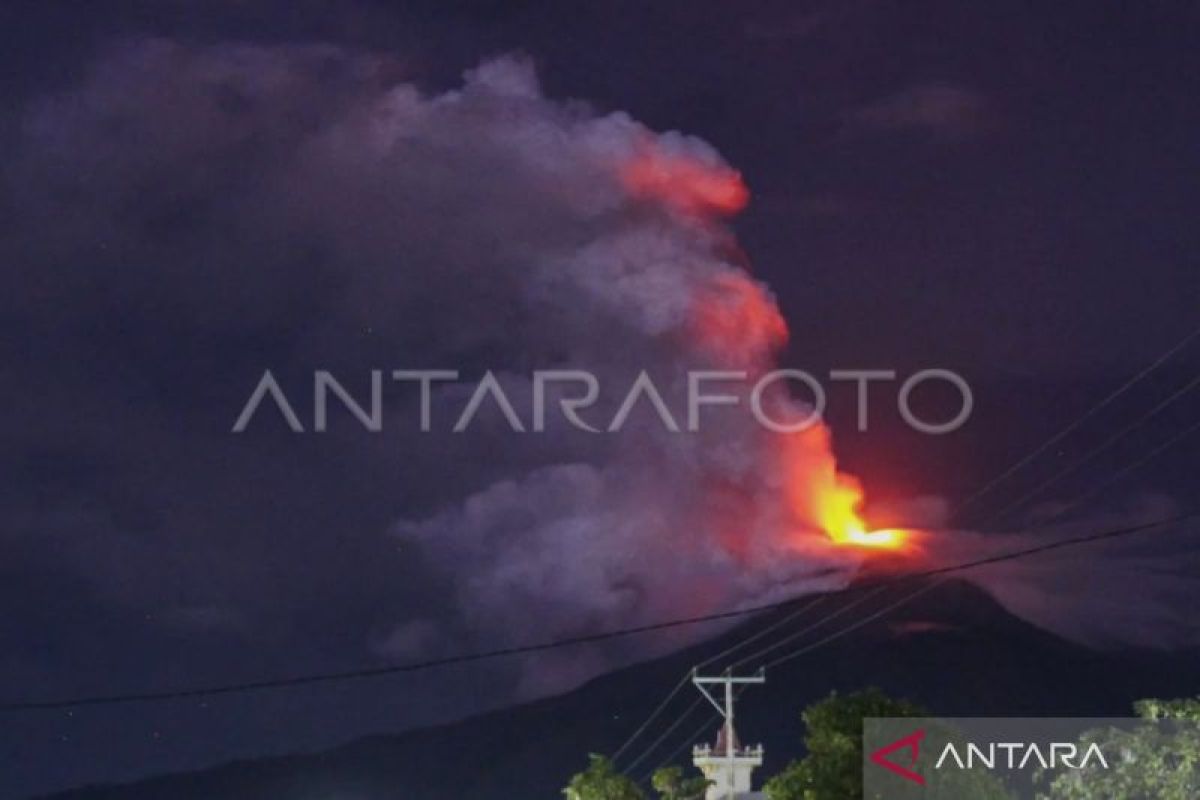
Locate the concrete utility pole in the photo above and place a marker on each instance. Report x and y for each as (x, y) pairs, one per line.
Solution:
(730, 769)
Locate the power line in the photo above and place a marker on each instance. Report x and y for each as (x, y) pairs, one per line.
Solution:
(908, 598)
(1121, 473)
(375, 672)
(653, 716)
(417, 666)
(727, 651)
(1074, 426)
(709, 718)
(819, 623)
(1099, 449)
(760, 634)
(739, 645)
(654, 745)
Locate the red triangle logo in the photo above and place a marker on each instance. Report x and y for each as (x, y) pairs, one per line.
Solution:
(912, 743)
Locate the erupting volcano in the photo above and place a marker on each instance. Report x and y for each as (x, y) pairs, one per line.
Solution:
(735, 320)
(640, 273)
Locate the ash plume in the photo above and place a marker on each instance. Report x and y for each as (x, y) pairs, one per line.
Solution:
(311, 207)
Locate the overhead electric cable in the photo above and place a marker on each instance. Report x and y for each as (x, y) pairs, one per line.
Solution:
(765, 631)
(1074, 426)
(1123, 472)
(908, 598)
(709, 718)
(1098, 450)
(653, 716)
(809, 628)
(712, 659)
(665, 734)
(466, 658)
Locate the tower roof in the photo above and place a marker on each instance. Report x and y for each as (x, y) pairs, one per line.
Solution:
(723, 746)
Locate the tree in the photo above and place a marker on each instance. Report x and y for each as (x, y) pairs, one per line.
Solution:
(833, 767)
(601, 781)
(1159, 759)
(1184, 710)
(832, 770)
(670, 784)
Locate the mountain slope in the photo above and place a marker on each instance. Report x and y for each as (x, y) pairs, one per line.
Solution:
(953, 650)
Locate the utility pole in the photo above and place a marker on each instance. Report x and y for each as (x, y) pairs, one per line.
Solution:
(735, 762)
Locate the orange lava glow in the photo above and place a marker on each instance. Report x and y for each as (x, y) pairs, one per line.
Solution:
(831, 500)
(686, 184)
(838, 514)
(735, 318)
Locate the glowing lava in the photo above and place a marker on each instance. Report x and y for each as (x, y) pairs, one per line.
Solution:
(837, 510)
(822, 497)
(735, 320)
(885, 538)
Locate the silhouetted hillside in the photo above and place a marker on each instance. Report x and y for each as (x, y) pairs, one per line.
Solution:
(954, 650)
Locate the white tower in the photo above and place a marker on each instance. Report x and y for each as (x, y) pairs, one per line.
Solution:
(728, 765)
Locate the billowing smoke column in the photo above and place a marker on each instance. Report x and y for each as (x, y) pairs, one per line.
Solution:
(299, 208)
(663, 523)
(310, 204)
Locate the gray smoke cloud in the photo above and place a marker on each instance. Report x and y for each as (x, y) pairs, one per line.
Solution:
(220, 210)
(300, 208)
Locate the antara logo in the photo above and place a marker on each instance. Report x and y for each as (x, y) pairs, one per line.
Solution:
(912, 743)
(1019, 755)
(1010, 755)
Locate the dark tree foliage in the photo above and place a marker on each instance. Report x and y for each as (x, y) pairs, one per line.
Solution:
(671, 784)
(601, 781)
(1156, 761)
(832, 769)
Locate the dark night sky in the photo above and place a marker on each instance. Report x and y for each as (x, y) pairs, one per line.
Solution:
(1006, 189)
